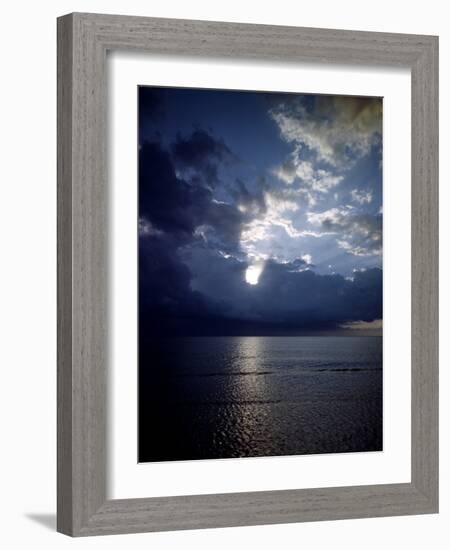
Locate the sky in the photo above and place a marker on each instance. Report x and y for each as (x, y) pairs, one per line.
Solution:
(259, 213)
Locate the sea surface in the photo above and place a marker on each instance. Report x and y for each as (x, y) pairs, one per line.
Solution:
(228, 397)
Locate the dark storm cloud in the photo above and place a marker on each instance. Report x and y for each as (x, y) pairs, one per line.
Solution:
(165, 281)
(304, 298)
(151, 103)
(195, 290)
(168, 202)
(202, 153)
(290, 294)
(182, 208)
(299, 264)
(186, 207)
(151, 112)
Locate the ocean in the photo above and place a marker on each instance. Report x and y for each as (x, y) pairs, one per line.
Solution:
(229, 397)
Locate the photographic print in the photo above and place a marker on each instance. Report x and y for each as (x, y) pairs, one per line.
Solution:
(260, 274)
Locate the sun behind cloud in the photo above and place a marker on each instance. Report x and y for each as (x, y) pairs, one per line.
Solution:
(253, 273)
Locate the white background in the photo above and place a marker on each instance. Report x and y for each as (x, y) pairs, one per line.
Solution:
(128, 479)
(28, 304)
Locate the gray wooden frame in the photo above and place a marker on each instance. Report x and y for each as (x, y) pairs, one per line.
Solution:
(83, 40)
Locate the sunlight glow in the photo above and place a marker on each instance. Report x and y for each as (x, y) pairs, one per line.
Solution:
(253, 273)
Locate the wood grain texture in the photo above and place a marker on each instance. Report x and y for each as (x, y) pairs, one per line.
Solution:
(64, 298)
(424, 280)
(83, 40)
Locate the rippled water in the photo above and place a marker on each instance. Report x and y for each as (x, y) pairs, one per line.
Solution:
(225, 397)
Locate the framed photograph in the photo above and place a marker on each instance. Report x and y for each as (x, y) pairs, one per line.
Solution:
(247, 274)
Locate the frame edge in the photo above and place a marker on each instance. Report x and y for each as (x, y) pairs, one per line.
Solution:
(64, 274)
(425, 272)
